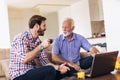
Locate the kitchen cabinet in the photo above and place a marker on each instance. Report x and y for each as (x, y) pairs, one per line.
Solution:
(96, 10)
(96, 17)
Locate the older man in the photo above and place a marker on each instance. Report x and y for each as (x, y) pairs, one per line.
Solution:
(66, 47)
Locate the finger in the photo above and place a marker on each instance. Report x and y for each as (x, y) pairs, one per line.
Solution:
(68, 68)
(63, 64)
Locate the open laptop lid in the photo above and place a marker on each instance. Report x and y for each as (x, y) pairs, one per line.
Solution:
(103, 63)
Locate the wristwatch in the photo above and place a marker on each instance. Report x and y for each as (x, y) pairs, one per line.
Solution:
(41, 47)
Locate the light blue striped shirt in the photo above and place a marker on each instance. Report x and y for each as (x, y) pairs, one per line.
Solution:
(69, 50)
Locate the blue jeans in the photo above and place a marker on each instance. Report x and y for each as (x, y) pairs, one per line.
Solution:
(86, 62)
(42, 73)
(49, 73)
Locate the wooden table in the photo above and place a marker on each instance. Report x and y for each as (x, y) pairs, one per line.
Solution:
(113, 76)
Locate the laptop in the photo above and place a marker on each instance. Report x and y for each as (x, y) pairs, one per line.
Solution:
(103, 63)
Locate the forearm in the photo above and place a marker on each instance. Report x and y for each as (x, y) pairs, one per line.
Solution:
(62, 68)
(94, 50)
(32, 54)
(57, 59)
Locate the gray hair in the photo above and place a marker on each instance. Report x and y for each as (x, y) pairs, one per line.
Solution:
(69, 19)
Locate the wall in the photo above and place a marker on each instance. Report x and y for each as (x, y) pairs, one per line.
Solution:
(62, 14)
(80, 13)
(52, 29)
(19, 18)
(4, 24)
(112, 23)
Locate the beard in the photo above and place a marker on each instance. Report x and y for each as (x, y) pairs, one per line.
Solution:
(65, 34)
(40, 32)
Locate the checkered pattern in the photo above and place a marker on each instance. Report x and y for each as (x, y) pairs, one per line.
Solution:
(22, 44)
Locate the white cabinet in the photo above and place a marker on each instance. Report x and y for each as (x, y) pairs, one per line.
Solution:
(96, 10)
(96, 16)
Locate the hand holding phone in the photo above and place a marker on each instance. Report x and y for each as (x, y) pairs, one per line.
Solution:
(51, 41)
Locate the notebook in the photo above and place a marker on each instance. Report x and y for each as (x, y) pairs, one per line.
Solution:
(103, 63)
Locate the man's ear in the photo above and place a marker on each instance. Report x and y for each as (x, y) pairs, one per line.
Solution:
(36, 25)
(73, 27)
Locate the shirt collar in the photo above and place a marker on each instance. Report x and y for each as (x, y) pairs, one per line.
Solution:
(73, 37)
(29, 34)
(31, 38)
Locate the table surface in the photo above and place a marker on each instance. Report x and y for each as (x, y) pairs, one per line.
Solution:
(115, 75)
(112, 76)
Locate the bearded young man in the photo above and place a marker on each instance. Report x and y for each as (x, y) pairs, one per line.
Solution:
(26, 48)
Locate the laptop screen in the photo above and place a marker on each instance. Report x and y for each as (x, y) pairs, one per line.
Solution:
(103, 63)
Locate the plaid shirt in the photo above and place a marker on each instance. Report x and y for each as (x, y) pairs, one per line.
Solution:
(22, 44)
